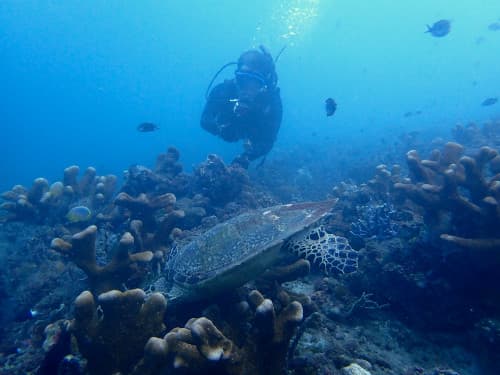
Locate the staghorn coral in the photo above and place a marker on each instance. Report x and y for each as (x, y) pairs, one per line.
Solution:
(80, 248)
(111, 333)
(459, 194)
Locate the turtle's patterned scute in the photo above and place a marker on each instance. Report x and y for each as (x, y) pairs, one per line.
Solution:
(327, 251)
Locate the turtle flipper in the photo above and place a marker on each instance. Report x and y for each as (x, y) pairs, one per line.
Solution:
(328, 251)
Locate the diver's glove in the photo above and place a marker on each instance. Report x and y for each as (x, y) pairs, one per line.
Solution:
(240, 107)
(241, 160)
(247, 146)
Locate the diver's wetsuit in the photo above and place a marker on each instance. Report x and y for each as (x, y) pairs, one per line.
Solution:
(259, 124)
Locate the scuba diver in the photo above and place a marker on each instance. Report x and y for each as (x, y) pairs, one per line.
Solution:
(246, 107)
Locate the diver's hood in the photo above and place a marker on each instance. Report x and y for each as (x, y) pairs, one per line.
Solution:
(255, 62)
(260, 62)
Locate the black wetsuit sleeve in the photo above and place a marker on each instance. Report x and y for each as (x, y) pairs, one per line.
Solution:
(218, 117)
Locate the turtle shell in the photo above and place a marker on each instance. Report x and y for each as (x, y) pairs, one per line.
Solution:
(236, 251)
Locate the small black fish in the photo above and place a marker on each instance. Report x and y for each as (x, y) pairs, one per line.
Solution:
(146, 127)
(330, 106)
(439, 28)
(495, 26)
(489, 101)
(479, 40)
(408, 114)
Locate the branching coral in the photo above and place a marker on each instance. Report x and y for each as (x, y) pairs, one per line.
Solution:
(143, 207)
(111, 333)
(80, 248)
(200, 347)
(196, 347)
(274, 328)
(156, 213)
(42, 202)
(459, 195)
(476, 135)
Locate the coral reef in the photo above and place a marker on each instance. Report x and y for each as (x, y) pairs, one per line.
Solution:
(274, 330)
(197, 347)
(191, 198)
(293, 271)
(80, 248)
(44, 203)
(112, 337)
(167, 177)
(139, 179)
(459, 196)
(375, 220)
(390, 317)
(200, 347)
(473, 135)
(219, 182)
(155, 212)
(167, 164)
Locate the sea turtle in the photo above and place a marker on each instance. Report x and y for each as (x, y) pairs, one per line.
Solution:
(236, 251)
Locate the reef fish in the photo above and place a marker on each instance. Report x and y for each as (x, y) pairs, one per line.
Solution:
(439, 28)
(78, 214)
(146, 127)
(410, 113)
(495, 26)
(330, 106)
(489, 101)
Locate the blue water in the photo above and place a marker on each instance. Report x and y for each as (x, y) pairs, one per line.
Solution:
(77, 77)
